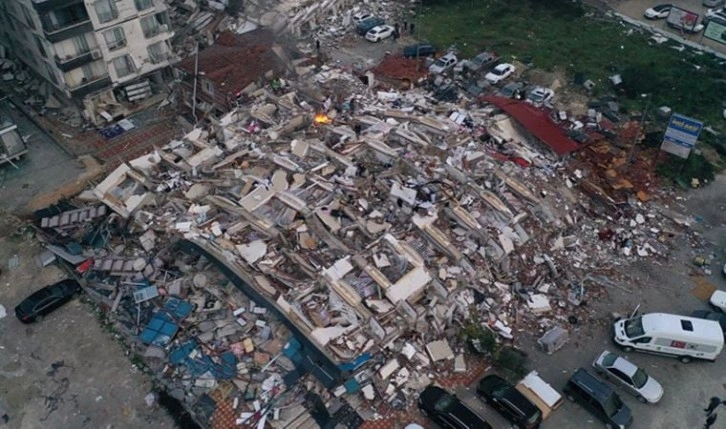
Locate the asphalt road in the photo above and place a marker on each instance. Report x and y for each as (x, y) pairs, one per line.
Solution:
(44, 168)
(635, 9)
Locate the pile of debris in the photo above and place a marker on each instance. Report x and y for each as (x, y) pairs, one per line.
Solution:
(297, 236)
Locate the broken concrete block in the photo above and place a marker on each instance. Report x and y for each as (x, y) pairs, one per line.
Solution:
(539, 304)
(388, 368)
(369, 392)
(439, 350)
(459, 363)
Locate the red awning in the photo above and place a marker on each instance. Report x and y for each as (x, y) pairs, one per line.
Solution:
(537, 122)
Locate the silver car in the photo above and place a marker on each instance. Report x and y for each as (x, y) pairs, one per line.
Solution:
(619, 370)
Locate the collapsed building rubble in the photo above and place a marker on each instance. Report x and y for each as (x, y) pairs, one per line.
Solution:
(298, 242)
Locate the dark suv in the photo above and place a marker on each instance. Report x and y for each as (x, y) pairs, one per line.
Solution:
(448, 411)
(368, 24)
(598, 398)
(45, 300)
(509, 402)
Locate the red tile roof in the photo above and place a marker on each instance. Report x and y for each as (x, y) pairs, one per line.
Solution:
(537, 122)
(235, 61)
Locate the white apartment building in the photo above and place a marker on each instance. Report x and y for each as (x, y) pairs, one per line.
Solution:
(106, 54)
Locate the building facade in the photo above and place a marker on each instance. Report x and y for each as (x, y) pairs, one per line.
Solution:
(103, 53)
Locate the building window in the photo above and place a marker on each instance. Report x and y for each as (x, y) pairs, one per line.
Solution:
(157, 52)
(152, 25)
(81, 44)
(87, 73)
(143, 4)
(28, 17)
(39, 45)
(124, 65)
(115, 38)
(105, 10)
(208, 87)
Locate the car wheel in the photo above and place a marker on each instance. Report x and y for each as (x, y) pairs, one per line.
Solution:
(684, 359)
(627, 349)
(642, 399)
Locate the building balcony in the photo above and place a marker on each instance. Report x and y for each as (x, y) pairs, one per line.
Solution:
(60, 33)
(43, 6)
(90, 86)
(70, 63)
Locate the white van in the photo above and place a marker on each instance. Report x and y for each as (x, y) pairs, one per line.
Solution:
(671, 335)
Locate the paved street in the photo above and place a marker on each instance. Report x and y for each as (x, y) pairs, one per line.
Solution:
(45, 167)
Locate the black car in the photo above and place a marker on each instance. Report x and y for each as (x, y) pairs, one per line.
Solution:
(448, 411)
(599, 399)
(509, 402)
(42, 302)
(368, 24)
(711, 315)
(419, 50)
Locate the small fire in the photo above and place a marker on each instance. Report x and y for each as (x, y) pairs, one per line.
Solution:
(322, 119)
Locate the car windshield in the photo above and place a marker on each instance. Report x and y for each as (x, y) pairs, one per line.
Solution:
(634, 327)
(609, 359)
(612, 405)
(480, 59)
(444, 403)
(537, 96)
(662, 7)
(440, 62)
(498, 72)
(639, 378)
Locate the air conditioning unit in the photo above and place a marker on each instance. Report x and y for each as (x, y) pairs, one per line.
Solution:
(96, 54)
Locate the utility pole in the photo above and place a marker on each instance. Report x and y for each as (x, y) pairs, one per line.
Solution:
(194, 90)
(640, 126)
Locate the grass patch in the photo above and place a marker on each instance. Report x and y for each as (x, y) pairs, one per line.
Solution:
(564, 36)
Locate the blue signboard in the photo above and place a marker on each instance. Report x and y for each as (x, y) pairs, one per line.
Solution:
(681, 135)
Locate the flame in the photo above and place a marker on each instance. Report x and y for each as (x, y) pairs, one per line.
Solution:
(322, 119)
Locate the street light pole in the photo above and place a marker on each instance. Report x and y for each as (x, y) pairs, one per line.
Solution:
(640, 126)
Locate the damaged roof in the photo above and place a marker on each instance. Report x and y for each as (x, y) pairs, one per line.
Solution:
(235, 61)
(537, 122)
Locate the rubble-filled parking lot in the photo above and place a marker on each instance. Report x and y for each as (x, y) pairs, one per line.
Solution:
(362, 229)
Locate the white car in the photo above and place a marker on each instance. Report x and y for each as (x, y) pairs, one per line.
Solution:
(376, 34)
(658, 12)
(361, 16)
(718, 14)
(444, 63)
(540, 96)
(635, 380)
(499, 73)
(718, 300)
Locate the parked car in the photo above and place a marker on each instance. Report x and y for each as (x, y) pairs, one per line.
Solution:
(448, 411)
(635, 380)
(419, 50)
(500, 73)
(540, 95)
(712, 315)
(361, 16)
(718, 301)
(45, 300)
(658, 12)
(714, 14)
(509, 402)
(481, 61)
(713, 3)
(444, 63)
(366, 25)
(376, 34)
(599, 399)
(511, 90)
